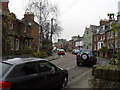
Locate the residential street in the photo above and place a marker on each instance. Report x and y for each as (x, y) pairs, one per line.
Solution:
(78, 75)
(54, 43)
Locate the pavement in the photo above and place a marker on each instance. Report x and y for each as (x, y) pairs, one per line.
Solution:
(53, 57)
(106, 61)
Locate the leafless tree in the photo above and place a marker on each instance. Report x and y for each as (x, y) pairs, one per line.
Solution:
(44, 12)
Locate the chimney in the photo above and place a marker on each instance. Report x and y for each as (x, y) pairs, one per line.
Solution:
(118, 18)
(103, 22)
(29, 15)
(4, 4)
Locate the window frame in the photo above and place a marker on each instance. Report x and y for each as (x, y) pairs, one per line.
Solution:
(55, 68)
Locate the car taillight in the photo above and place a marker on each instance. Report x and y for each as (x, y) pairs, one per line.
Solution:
(5, 85)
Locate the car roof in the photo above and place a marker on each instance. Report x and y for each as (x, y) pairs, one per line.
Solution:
(61, 49)
(86, 50)
(23, 60)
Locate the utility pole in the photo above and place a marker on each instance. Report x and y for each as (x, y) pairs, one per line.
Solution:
(51, 29)
(51, 34)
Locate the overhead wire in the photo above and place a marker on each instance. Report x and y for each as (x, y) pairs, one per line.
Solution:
(70, 7)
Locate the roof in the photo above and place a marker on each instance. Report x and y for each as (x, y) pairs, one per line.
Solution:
(23, 60)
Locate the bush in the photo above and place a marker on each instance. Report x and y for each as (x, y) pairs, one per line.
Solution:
(104, 50)
(28, 50)
(37, 54)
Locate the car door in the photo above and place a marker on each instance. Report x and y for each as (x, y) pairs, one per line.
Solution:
(25, 76)
(49, 71)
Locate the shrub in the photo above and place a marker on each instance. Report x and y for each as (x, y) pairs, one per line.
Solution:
(28, 50)
(104, 50)
(37, 54)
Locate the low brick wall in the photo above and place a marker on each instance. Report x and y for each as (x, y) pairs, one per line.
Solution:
(107, 76)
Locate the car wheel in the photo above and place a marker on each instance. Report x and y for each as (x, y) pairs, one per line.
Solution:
(65, 80)
(84, 56)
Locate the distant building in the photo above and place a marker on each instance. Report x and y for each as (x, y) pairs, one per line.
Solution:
(88, 37)
(76, 42)
(61, 43)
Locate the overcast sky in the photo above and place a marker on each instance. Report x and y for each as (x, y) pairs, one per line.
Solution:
(75, 15)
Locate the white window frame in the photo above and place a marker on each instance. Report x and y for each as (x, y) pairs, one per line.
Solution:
(17, 44)
(11, 25)
(12, 44)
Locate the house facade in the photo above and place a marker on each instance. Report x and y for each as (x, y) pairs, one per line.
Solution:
(106, 37)
(88, 37)
(18, 34)
(33, 30)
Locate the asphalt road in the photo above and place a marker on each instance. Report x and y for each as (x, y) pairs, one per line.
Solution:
(78, 75)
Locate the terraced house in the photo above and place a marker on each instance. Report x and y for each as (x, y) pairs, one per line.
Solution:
(18, 34)
(107, 36)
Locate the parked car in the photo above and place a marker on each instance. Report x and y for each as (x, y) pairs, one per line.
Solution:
(61, 52)
(75, 51)
(86, 57)
(31, 73)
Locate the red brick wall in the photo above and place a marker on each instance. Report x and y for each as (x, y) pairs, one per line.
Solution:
(4, 5)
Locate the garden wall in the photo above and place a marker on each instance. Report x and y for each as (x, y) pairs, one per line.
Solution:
(107, 76)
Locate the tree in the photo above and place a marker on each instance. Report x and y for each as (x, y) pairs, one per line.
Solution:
(7, 18)
(44, 12)
(116, 31)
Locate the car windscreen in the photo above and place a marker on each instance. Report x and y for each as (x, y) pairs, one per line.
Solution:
(4, 67)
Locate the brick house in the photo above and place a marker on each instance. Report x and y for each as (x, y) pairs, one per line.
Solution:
(32, 28)
(105, 37)
(17, 34)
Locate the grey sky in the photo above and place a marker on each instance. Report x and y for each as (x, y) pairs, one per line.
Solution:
(75, 15)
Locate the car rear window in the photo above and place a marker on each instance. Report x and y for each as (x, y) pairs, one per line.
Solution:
(4, 67)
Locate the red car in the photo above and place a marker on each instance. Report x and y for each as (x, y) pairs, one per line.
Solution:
(61, 52)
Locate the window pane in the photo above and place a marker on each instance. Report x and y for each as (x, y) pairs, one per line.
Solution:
(30, 68)
(17, 72)
(4, 68)
(45, 67)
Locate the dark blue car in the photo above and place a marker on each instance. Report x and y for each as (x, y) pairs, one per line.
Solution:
(86, 57)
